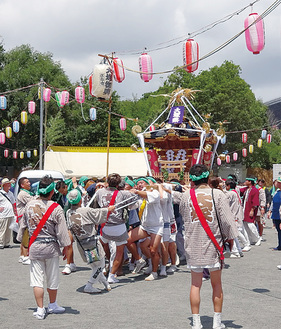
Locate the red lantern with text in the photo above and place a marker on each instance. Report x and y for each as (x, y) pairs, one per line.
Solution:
(64, 98)
(254, 33)
(6, 153)
(145, 65)
(235, 156)
(268, 138)
(244, 152)
(31, 107)
(151, 128)
(80, 94)
(190, 55)
(2, 138)
(118, 70)
(123, 124)
(244, 138)
(47, 94)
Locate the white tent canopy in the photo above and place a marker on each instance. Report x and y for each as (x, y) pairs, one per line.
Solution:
(122, 161)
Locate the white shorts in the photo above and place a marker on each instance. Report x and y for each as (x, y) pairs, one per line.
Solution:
(166, 234)
(118, 243)
(153, 229)
(199, 269)
(173, 237)
(48, 268)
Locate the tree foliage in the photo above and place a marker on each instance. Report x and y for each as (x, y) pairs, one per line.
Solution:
(222, 93)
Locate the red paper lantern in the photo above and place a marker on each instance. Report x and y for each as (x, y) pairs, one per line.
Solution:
(6, 153)
(15, 154)
(244, 138)
(80, 94)
(64, 99)
(254, 33)
(2, 138)
(145, 65)
(118, 70)
(123, 124)
(151, 128)
(268, 138)
(244, 152)
(218, 161)
(190, 55)
(47, 94)
(31, 107)
(227, 159)
(235, 156)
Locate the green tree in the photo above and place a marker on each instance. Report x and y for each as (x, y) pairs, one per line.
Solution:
(24, 67)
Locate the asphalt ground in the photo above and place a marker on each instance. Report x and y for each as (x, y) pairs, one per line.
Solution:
(252, 295)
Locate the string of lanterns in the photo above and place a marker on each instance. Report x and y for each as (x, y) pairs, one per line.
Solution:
(255, 41)
(227, 158)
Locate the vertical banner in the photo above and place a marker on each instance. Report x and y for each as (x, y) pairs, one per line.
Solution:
(207, 158)
(176, 115)
(153, 161)
(195, 153)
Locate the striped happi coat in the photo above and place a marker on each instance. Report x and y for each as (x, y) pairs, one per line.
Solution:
(200, 250)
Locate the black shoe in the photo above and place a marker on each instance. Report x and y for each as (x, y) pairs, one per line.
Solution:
(15, 238)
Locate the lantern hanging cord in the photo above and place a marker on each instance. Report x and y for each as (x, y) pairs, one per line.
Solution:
(18, 89)
(181, 39)
(264, 14)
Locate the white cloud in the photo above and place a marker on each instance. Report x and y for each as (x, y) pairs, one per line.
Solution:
(75, 32)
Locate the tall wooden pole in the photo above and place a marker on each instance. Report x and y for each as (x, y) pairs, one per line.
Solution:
(108, 136)
(41, 125)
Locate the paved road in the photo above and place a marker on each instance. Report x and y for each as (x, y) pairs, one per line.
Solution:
(252, 296)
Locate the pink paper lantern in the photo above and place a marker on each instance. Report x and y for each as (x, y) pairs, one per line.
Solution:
(244, 152)
(268, 138)
(151, 128)
(31, 107)
(235, 156)
(190, 55)
(80, 94)
(64, 99)
(227, 159)
(47, 94)
(218, 161)
(123, 124)
(6, 153)
(2, 138)
(145, 65)
(15, 154)
(118, 70)
(254, 33)
(244, 138)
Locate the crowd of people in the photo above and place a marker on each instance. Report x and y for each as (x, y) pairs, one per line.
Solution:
(144, 222)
